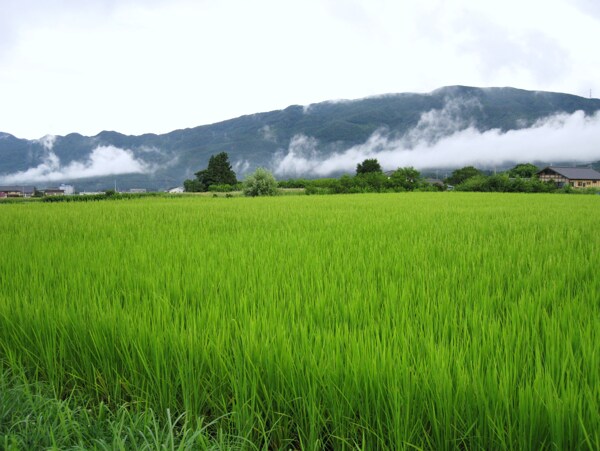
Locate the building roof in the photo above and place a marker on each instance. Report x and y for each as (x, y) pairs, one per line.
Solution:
(20, 188)
(574, 173)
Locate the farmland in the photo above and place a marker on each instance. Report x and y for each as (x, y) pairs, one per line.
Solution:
(403, 321)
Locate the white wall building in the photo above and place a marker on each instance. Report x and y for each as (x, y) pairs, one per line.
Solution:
(68, 189)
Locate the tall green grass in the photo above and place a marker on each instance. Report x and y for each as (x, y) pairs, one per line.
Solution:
(31, 418)
(401, 321)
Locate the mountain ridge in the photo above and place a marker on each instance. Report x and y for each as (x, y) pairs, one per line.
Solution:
(158, 161)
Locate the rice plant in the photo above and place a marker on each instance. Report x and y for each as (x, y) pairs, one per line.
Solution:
(389, 321)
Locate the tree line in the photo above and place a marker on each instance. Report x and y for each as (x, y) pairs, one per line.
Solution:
(522, 178)
(369, 177)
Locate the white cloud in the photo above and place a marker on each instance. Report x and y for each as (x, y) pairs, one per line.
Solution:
(268, 134)
(302, 158)
(557, 138)
(240, 167)
(438, 123)
(77, 59)
(499, 49)
(47, 142)
(102, 161)
(591, 7)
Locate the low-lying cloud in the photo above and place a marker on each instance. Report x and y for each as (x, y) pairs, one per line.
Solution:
(439, 141)
(241, 166)
(102, 161)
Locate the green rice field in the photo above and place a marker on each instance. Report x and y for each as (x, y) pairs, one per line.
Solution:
(375, 321)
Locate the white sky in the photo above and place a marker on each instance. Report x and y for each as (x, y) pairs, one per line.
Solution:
(138, 66)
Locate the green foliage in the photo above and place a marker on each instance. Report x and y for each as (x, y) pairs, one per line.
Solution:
(312, 189)
(193, 186)
(260, 183)
(409, 179)
(31, 417)
(370, 181)
(306, 183)
(502, 183)
(566, 188)
(222, 188)
(293, 183)
(525, 170)
(86, 198)
(406, 178)
(473, 183)
(97, 197)
(218, 172)
(460, 175)
(401, 321)
(368, 166)
(589, 191)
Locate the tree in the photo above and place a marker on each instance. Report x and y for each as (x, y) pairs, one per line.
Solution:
(524, 170)
(369, 182)
(193, 186)
(260, 183)
(218, 172)
(406, 178)
(460, 175)
(475, 183)
(367, 166)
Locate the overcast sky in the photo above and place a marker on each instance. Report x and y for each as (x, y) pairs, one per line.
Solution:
(138, 66)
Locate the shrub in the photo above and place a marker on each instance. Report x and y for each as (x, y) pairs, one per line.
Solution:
(260, 183)
(222, 188)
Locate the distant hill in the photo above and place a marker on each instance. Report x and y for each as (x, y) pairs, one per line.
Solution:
(161, 161)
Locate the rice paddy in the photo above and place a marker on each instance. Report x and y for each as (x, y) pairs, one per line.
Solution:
(382, 321)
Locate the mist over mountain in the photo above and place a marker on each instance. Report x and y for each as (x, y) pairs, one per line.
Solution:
(447, 128)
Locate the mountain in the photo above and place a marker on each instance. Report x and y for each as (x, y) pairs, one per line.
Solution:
(323, 129)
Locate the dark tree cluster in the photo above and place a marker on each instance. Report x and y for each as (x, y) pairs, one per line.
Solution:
(370, 165)
(369, 178)
(520, 179)
(218, 173)
(460, 175)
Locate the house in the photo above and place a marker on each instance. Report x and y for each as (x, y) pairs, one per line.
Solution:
(576, 177)
(17, 191)
(137, 190)
(69, 190)
(54, 192)
(176, 190)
